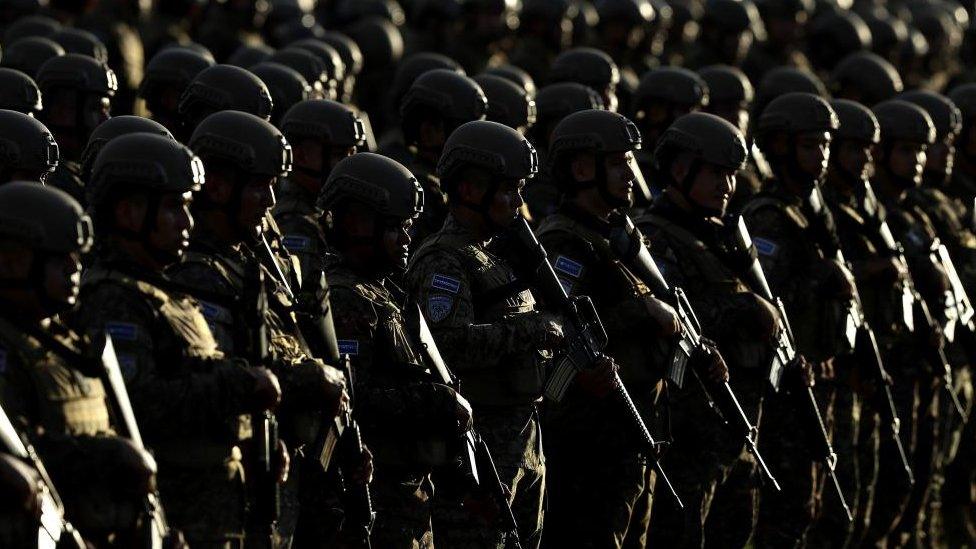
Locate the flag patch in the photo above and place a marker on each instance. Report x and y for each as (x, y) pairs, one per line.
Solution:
(446, 283)
(122, 331)
(348, 346)
(439, 306)
(568, 266)
(296, 243)
(765, 247)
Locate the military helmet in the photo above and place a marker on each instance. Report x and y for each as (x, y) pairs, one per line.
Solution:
(28, 54)
(964, 97)
(226, 87)
(904, 121)
(837, 35)
(455, 97)
(345, 12)
(175, 67)
(312, 69)
(31, 25)
(411, 68)
(26, 144)
(672, 85)
(82, 42)
(785, 8)
(379, 40)
(866, 75)
(594, 130)
(783, 80)
(286, 86)
(328, 55)
(588, 66)
(378, 181)
(734, 16)
(490, 146)
(248, 55)
(195, 47)
(944, 113)
(727, 85)
(888, 33)
(352, 57)
(143, 161)
(44, 218)
(709, 138)
(515, 75)
(77, 72)
(795, 113)
(18, 92)
(112, 128)
(507, 103)
(634, 12)
(247, 141)
(323, 120)
(556, 101)
(857, 122)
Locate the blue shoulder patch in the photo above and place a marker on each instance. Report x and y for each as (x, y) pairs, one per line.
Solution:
(296, 243)
(765, 247)
(568, 266)
(439, 306)
(348, 347)
(122, 331)
(446, 283)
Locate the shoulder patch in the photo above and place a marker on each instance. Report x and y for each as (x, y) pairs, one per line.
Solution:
(296, 243)
(348, 346)
(765, 247)
(568, 266)
(122, 331)
(127, 363)
(446, 283)
(439, 306)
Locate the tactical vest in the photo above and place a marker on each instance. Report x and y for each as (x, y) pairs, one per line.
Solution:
(521, 378)
(67, 401)
(301, 235)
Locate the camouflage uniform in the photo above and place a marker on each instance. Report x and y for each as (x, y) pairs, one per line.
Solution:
(691, 255)
(598, 508)
(188, 398)
(298, 221)
(490, 338)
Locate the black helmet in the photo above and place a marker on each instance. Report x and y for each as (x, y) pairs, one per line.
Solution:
(352, 57)
(493, 147)
(594, 130)
(379, 40)
(225, 87)
(286, 85)
(671, 85)
(325, 121)
(26, 145)
(143, 161)
(175, 67)
(458, 99)
(31, 25)
(243, 140)
(82, 42)
(795, 113)
(381, 182)
(44, 218)
(633, 12)
(195, 47)
(112, 128)
(77, 72)
(734, 16)
(507, 103)
(709, 138)
(311, 68)
(28, 54)
(857, 122)
(349, 11)
(328, 55)
(727, 85)
(865, 77)
(964, 96)
(782, 80)
(888, 33)
(516, 75)
(414, 66)
(557, 101)
(944, 113)
(904, 121)
(18, 92)
(837, 35)
(588, 66)
(248, 55)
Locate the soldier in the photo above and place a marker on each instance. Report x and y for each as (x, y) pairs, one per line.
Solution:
(545, 29)
(188, 398)
(244, 156)
(50, 385)
(590, 67)
(78, 91)
(410, 421)
(837, 34)
(696, 162)
(507, 103)
(29, 150)
(168, 74)
(28, 54)
(321, 133)
(438, 102)
(19, 92)
(866, 78)
(591, 161)
(312, 69)
(783, 80)
(491, 332)
(728, 30)
(352, 59)
(962, 186)
(786, 24)
(286, 86)
(112, 128)
(796, 246)
(220, 88)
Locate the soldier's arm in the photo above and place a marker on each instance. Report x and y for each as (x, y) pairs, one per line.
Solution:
(201, 276)
(172, 394)
(768, 228)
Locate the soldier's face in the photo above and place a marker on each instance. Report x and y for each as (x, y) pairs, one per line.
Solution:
(506, 203)
(171, 234)
(813, 153)
(941, 158)
(62, 278)
(907, 161)
(620, 170)
(712, 188)
(396, 242)
(855, 159)
(257, 199)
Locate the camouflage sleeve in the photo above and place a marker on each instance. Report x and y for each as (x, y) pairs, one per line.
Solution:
(173, 395)
(768, 228)
(411, 404)
(303, 240)
(201, 276)
(442, 287)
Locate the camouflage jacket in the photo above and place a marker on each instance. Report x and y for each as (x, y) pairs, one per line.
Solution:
(948, 217)
(298, 220)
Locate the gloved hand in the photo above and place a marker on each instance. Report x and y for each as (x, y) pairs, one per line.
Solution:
(546, 329)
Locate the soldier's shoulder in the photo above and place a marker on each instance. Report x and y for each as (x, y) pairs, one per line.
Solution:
(203, 272)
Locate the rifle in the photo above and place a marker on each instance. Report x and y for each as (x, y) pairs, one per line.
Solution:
(53, 529)
(627, 243)
(807, 407)
(155, 531)
(264, 424)
(476, 461)
(586, 340)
